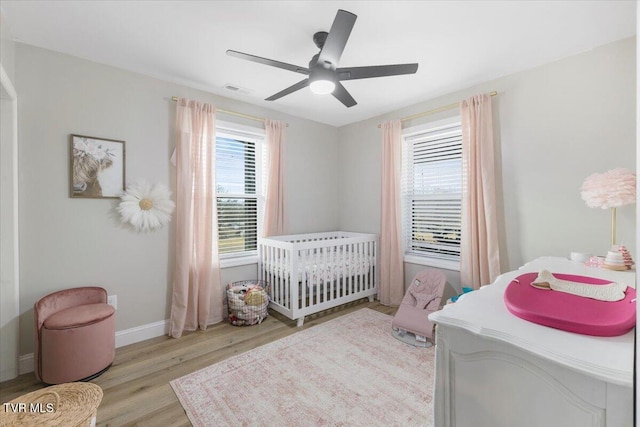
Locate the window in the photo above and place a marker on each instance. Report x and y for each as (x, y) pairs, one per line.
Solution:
(238, 195)
(432, 190)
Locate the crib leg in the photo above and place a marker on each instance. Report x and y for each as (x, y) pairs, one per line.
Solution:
(300, 321)
(370, 298)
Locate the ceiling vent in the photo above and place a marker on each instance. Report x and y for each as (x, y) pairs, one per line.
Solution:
(237, 89)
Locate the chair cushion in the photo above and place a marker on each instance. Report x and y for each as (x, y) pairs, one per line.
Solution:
(78, 316)
(414, 320)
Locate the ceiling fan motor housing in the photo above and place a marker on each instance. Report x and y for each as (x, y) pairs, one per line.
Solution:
(320, 73)
(321, 70)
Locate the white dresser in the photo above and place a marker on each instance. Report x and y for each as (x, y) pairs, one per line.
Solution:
(494, 369)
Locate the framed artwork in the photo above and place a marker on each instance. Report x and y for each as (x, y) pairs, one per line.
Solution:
(97, 167)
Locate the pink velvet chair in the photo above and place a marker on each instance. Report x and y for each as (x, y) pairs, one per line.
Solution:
(74, 335)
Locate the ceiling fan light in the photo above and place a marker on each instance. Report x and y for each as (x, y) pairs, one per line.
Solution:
(322, 87)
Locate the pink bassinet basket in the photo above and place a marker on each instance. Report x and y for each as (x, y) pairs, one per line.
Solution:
(411, 323)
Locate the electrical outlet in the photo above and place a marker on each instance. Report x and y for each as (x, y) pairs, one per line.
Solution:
(113, 300)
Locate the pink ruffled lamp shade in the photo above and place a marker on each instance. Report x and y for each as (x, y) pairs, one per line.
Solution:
(610, 190)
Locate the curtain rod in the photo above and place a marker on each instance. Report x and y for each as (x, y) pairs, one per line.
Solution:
(233, 113)
(435, 110)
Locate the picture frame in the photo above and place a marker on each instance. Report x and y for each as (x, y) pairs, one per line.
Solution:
(97, 167)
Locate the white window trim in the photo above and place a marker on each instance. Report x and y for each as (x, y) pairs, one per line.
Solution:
(424, 259)
(250, 134)
(432, 262)
(237, 261)
(431, 126)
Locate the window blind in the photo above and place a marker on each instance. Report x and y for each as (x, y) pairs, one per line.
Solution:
(432, 192)
(237, 197)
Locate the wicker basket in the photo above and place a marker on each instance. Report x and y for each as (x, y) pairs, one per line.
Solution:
(247, 302)
(71, 404)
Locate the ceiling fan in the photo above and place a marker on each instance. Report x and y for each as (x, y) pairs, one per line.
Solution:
(324, 76)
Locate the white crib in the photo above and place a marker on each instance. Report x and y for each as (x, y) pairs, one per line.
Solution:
(309, 273)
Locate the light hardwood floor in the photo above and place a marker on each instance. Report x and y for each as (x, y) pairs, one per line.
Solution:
(136, 387)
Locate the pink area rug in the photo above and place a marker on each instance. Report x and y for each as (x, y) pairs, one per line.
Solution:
(348, 371)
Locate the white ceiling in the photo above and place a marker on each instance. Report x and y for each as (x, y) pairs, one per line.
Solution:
(457, 43)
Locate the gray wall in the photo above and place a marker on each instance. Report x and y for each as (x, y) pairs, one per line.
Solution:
(554, 126)
(74, 242)
(7, 49)
(9, 323)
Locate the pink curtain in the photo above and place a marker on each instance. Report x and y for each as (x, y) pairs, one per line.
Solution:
(197, 290)
(274, 217)
(391, 286)
(479, 253)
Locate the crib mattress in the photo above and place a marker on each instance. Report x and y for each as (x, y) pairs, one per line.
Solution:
(570, 312)
(321, 267)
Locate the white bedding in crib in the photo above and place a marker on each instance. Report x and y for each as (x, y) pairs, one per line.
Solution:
(320, 267)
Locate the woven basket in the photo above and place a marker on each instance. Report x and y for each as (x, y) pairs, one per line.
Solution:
(247, 302)
(64, 405)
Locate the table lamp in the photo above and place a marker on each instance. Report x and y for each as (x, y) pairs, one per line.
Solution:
(610, 190)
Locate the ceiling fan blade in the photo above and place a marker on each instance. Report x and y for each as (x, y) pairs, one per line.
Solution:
(337, 38)
(266, 61)
(301, 84)
(353, 73)
(343, 96)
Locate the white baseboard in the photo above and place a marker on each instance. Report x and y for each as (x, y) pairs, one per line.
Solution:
(25, 364)
(141, 333)
(125, 337)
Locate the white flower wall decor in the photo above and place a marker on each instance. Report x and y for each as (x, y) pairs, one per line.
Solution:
(146, 207)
